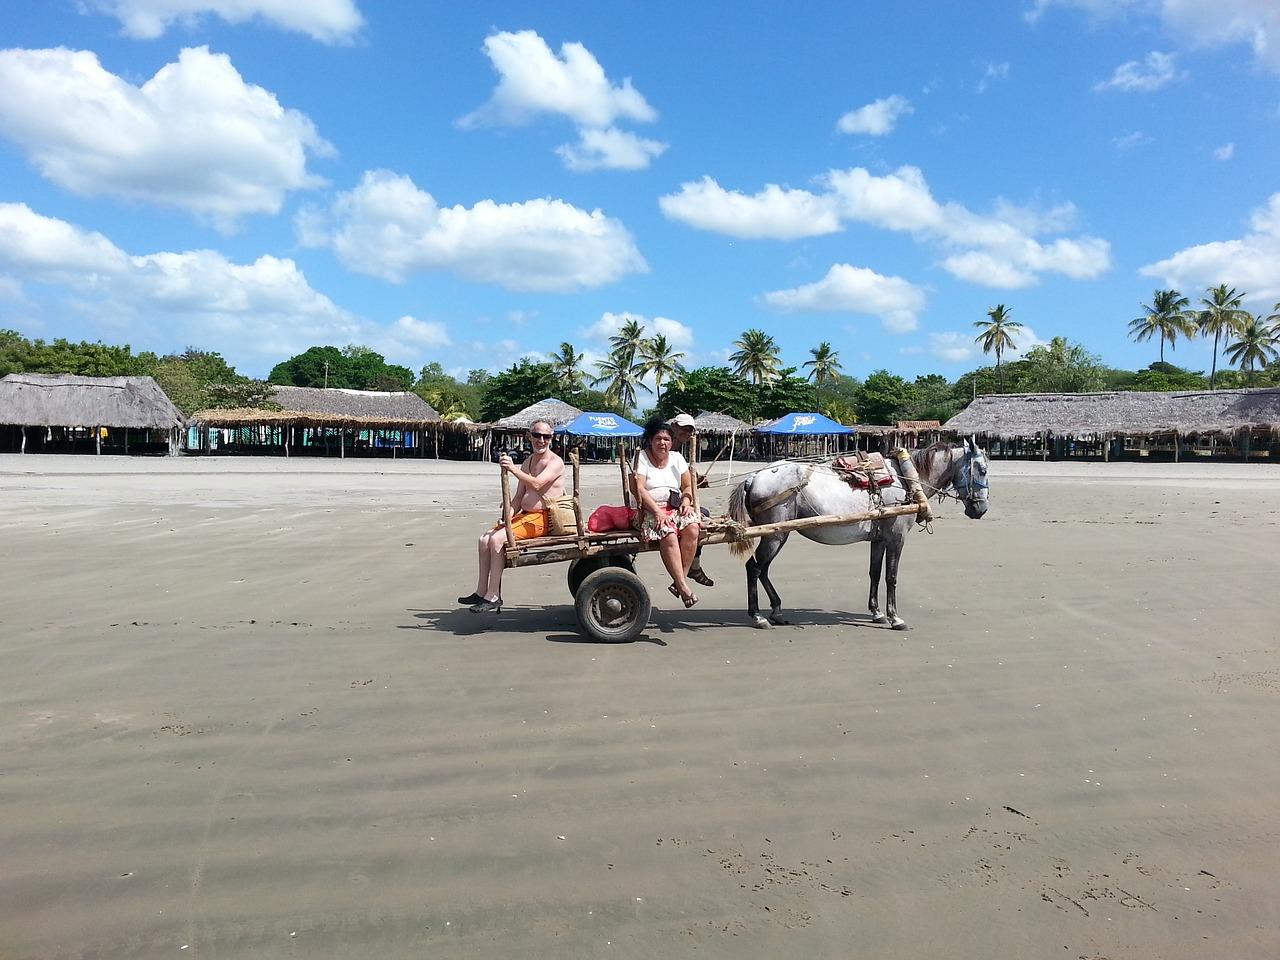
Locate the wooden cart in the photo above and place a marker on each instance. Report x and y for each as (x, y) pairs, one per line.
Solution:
(611, 601)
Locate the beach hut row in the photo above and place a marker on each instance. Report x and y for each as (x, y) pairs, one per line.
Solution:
(1242, 423)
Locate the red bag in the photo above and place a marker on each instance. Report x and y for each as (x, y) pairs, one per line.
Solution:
(606, 518)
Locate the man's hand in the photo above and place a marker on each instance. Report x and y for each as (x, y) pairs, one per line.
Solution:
(505, 462)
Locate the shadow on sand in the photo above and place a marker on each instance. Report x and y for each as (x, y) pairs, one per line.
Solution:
(558, 624)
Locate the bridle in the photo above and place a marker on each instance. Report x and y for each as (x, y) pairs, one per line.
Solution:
(968, 487)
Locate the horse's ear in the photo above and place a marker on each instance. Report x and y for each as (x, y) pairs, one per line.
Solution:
(972, 443)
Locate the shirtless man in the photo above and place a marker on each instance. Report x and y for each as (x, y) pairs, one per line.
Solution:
(682, 432)
(540, 480)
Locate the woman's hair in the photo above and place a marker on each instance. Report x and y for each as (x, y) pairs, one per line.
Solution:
(652, 427)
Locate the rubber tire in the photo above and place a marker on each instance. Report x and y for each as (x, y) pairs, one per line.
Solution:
(580, 569)
(617, 583)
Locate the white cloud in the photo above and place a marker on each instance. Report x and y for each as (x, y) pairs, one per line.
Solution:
(195, 136)
(992, 72)
(849, 289)
(1250, 264)
(1197, 23)
(875, 119)
(609, 149)
(778, 213)
(1131, 140)
(1154, 71)
(1225, 152)
(678, 334)
(265, 307)
(533, 80)
(388, 227)
(420, 333)
(999, 249)
(328, 21)
(952, 347)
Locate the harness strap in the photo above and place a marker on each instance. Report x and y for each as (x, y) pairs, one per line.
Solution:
(791, 491)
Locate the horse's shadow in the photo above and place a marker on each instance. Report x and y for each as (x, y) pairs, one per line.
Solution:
(559, 625)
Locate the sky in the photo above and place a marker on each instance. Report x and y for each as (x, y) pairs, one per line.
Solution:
(472, 183)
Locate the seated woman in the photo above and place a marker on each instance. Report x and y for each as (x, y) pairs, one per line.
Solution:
(663, 486)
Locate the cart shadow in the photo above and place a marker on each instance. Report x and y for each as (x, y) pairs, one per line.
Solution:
(559, 624)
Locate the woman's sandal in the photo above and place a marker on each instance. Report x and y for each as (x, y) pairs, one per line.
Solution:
(688, 601)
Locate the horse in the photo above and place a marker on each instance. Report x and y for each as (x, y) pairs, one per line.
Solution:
(787, 490)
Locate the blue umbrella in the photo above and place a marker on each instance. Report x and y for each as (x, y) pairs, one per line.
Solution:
(600, 425)
(804, 424)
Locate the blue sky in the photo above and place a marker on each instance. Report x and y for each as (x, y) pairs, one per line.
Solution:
(474, 182)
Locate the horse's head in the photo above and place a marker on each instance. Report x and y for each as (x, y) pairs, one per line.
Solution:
(970, 480)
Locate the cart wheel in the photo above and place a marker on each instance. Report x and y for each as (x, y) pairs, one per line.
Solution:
(612, 605)
(582, 568)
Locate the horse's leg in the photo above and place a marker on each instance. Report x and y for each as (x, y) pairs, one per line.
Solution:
(877, 561)
(753, 594)
(896, 541)
(769, 548)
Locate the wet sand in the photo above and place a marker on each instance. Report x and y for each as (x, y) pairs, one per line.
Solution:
(240, 716)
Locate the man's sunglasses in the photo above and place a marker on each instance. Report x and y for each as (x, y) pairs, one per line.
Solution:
(542, 436)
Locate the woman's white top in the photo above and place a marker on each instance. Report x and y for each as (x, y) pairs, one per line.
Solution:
(660, 481)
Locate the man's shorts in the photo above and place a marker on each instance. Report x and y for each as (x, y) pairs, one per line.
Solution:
(528, 524)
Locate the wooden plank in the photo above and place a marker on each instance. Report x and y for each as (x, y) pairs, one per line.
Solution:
(506, 509)
(577, 497)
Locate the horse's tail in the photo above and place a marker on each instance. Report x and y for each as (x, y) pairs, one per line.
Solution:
(739, 514)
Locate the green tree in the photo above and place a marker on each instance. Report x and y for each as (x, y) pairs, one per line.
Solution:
(314, 367)
(620, 376)
(885, 398)
(1221, 314)
(566, 364)
(997, 335)
(661, 359)
(514, 389)
(756, 357)
(1254, 346)
(628, 340)
(718, 389)
(785, 393)
(825, 364)
(1164, 377)
(1059, 367)
(934, 399)
(1167, 317)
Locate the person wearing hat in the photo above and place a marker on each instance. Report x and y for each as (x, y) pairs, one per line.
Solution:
(683, 430)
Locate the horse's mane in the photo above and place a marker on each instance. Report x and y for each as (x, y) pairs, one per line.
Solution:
(926, 458)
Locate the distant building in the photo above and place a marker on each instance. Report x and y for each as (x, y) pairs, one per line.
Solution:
(62, 413)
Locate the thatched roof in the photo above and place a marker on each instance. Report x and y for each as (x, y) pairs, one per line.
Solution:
(709, 422)
(556, 412)
(314, 406)
(1137, 414)
(63, 400)
(916, 426)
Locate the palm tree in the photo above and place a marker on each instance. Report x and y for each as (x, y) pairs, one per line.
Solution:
(1275, 317)
(1222, 314)
(565, 363)
(997, 335)
(620, 378)
(825, 363)
(756, 358)
(661, 359)
(628, 339)
(1255, 345)
(1167, 316)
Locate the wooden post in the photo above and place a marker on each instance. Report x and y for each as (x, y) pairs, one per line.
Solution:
(435, 437)
(506, 509)
(693, 469)
(97, 441)
(622, 466)
(907, 467)
(1177, 453)
(1106, 448)
(577, 497)
(342, 443)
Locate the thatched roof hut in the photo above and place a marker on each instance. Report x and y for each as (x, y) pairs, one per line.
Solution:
(1222, 412)
(708, 423)
(556, 412)
(64, 400)
(332, 407)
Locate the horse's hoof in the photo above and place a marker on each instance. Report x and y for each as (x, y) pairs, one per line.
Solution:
(879, 618)
(779, 621)
(899, 624)
(760, 623)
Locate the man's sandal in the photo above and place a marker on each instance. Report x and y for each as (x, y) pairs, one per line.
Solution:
(699, 576)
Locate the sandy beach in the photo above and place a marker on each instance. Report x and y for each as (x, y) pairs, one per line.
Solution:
(241, 716)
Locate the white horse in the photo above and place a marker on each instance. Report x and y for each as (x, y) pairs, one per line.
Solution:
(788, 491)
